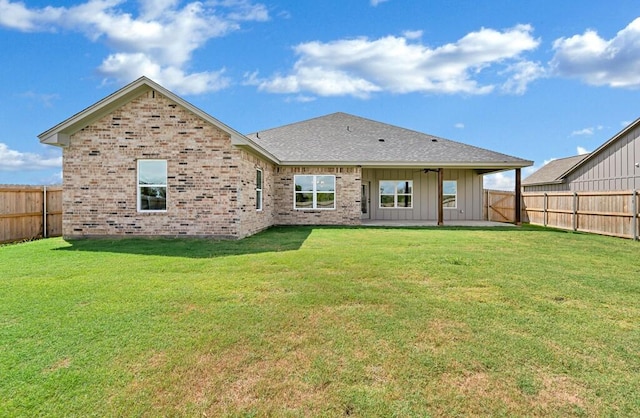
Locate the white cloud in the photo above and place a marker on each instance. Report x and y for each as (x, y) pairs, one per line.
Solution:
(301, 99)
(581, 150)
(600, 62)
(587, 131)
(374, 3)
(11, 160)
(459, 125)
(412, 34)
(130, 66)
(45, 99)
(523, 73)
(580, 132)
(359, 67)
(18, 16)
(159, 42)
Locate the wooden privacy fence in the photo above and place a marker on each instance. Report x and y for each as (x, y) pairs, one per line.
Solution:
(605, 213)
(28, 212)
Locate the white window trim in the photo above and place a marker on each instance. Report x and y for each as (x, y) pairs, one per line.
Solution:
(315, 192)
(259, 188)
(139, 186)
(395, 195)
(448, 194)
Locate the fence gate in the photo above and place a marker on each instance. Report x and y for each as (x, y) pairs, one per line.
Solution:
(500, 205)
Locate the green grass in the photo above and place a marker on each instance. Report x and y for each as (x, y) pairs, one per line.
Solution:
(323, 322)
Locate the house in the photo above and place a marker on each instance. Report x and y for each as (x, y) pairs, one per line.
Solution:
(144, 161)
(614, 166)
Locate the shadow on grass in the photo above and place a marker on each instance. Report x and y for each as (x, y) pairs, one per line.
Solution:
(275, 239)
(272, 240)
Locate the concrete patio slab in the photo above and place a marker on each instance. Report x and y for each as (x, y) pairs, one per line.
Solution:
(370, 222)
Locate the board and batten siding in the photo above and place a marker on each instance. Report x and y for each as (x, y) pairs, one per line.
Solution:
(551, 187)
(614, 168)
(425, 194)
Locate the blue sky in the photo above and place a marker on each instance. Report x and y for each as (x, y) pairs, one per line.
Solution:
(534, 79)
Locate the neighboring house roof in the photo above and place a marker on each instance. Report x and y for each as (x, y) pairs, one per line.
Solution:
(59, 135)
(553, 171)
(340, 138)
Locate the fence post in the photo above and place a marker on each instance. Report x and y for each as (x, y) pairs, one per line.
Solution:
(545, 204)
(575, 211)
(634, 211)
(44, 211)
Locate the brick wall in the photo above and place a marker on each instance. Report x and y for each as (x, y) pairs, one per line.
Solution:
(211, 185)
(348, 194)
(100, 173)
(251, 219)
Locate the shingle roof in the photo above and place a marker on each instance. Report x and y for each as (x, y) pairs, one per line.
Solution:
(344, 138)
(552, 171)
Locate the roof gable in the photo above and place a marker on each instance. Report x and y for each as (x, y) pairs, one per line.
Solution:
(59, 135)
(340, 138)
(633, 125)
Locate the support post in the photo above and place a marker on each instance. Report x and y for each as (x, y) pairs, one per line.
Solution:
(488, 205)
(440, 196)
(518, 220)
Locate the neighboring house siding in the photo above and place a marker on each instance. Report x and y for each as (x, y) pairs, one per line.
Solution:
(560, 187)
(347, 211)
(612, 169)
(100, 174)
(425, 194)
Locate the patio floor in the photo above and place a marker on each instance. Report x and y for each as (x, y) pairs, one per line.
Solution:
(371, 222)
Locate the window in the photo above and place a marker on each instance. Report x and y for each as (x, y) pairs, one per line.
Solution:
(315, 192)
(396, 194)
(152, 185)
(258, 189)
(450, 194)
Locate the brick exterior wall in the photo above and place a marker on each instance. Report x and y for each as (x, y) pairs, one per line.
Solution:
(348, 195)
(100, 174)
(251, 219)
(211, 184)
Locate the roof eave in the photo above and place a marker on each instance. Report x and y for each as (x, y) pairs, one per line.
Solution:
(543, 183)
(413, 164)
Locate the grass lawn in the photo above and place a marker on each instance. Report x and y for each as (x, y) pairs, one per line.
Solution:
(323, 322)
